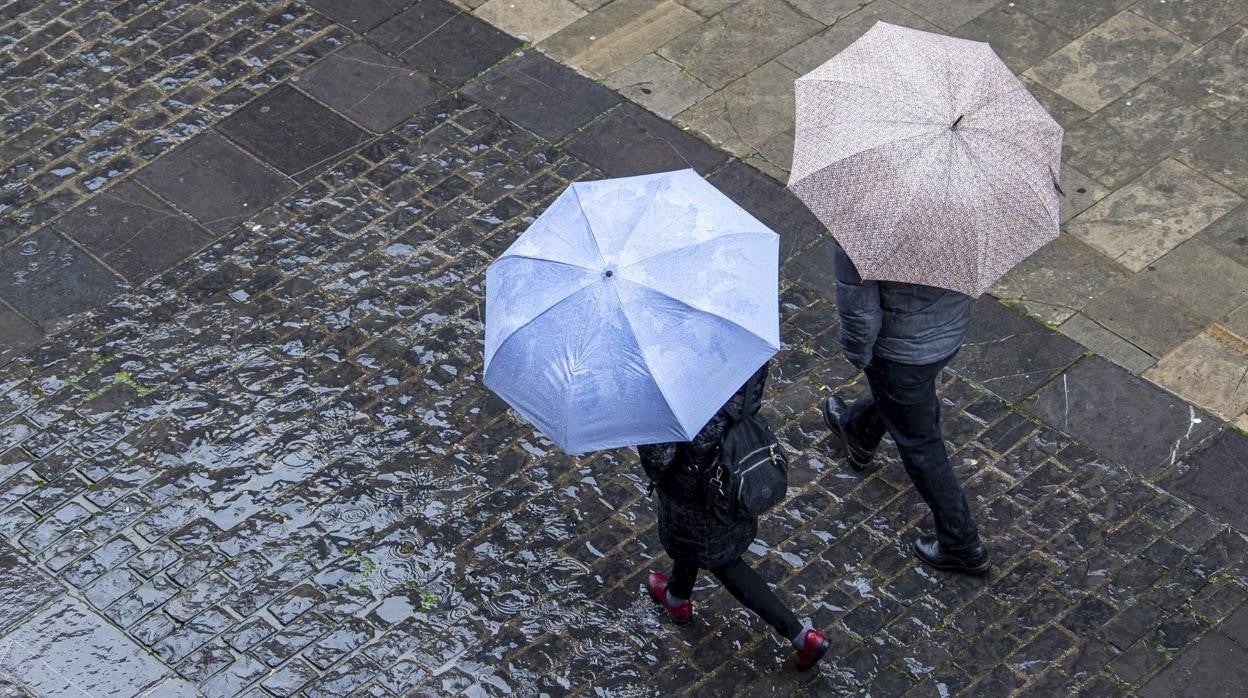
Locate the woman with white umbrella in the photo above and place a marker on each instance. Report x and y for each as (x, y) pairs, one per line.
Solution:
(644, 310)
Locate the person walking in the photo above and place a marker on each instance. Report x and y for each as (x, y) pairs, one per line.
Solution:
(698, 536)
(901, 335)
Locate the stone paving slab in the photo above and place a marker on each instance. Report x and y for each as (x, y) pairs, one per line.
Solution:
(368, 87)
(68, 650)
(541, 95)
(274, 467)
(133, 232)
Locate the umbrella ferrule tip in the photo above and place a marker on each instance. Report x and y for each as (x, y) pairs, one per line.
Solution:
(608, 273)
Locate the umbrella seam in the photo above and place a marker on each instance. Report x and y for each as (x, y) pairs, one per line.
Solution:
(825, 166)
(983, 70)
(1027, 184)
(909, 200)
(507, 256)
(981, 239)
(503, 342)
(730, 321)
(696, 244)
(1018, 147)
(865, 150)
(992, 185)
(690, 306)
(649, 370)
(815, 82)
(580, 207)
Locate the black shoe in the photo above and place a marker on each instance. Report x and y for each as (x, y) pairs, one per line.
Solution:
(834, 409)
(930, 553)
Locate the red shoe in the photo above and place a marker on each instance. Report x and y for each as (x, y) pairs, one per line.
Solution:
(656, 583)
(814, 646)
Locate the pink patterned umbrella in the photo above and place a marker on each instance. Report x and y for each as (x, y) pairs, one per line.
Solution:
(927, 159)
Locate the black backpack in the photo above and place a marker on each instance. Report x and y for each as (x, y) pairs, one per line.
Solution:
(752, 472)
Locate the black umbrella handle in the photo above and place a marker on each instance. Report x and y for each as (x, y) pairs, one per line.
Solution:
(1056, 186)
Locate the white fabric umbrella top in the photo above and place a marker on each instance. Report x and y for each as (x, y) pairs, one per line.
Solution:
(631, 310)
(927, 159)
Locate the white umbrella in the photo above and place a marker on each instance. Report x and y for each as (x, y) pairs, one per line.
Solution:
(631, 310)
(927, 159)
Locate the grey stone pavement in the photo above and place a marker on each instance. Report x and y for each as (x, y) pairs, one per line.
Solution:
(244, 447)
(1151, 271)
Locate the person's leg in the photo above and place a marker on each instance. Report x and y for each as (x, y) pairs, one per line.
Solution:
(864, 423)
(680, 584)
(908, 405)
(747, 587)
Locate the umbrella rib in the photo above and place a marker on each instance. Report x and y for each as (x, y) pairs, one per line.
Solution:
(902, 209)
(689, 306)
(835, 162)
(580, 206)
(993, 185)
(641, 350)
(692, 245)
(1020, 88)
(503, 342)
(541, 259)
(910, 108)
(873, 120)
(842, 158)
(1018, 147)
(980, 237)
(983, 70)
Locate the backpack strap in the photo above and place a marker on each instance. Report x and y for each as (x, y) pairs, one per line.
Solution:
(748, 401)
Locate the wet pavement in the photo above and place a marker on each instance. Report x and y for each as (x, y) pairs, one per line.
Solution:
(268, 466)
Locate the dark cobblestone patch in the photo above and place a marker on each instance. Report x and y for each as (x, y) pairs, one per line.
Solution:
(133, 232)
(1011, 355)
(772, 204)
(369, 87)
(18, 333)
(135, 84)
(1203, 477)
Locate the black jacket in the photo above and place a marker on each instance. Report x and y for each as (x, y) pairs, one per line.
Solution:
(687, 530)
(905, 323)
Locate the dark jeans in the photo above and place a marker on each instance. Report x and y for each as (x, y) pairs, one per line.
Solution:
(746, 586)
(903, 402)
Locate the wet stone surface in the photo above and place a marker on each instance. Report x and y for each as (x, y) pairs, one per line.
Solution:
(273, 469)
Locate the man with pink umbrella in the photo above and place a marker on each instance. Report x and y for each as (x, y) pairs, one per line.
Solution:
(936, 172)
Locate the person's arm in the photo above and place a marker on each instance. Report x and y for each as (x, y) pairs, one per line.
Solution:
(656, 460)
(858, 303)
(657, 456)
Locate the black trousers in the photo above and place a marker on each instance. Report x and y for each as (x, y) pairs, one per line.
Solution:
(903, 402)
(745, 586)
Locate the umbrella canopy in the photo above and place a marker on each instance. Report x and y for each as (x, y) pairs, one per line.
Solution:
(927, 159)
(631, 310)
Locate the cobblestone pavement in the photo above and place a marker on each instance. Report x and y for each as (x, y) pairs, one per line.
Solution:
(1152, 269)
(253, 454)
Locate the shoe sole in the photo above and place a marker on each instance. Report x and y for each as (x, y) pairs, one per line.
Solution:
(839, 433)
(823, 649)
(977, 570)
